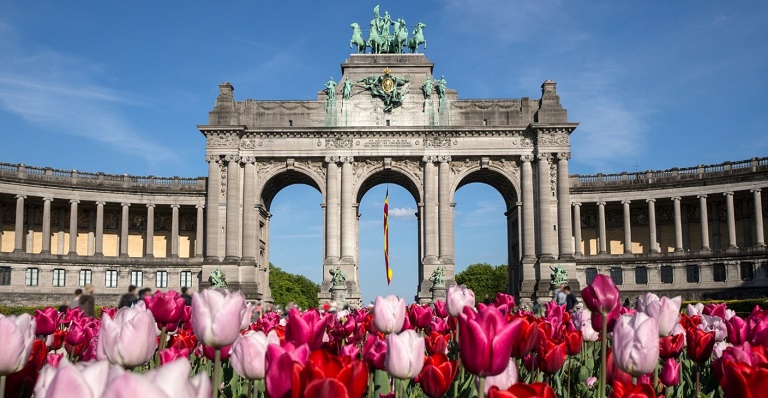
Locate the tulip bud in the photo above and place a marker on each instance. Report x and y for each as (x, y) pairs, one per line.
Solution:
(636, 344)
(459, 297)
(389, 314)
(17, 335)
(405, 354)
(248, 356)
(670, 372)
(46, 321)
(217, 315)
(130, 339)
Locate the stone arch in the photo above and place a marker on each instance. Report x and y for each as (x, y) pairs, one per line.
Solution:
(395, 175)
(506, 183)
(275, 180)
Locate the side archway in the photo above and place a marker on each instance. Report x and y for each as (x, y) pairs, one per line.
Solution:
(275, 180)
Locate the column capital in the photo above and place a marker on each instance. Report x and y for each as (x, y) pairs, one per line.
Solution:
(444, 159)
(150, 205)
(20, 196)
(430, 159)
(74, 201)
(101, 202)
(175, 206)
(212, 158)
(753, 190)
(626, 201)
(675, 198)
(232, 158)
(544, 156)
(48, 199)
(347, 159)
(526, 158)
(702, 196)
(519, 203)
(125, 204)
(248, 159)
(651, 200)
(199, 206)
(728, 193)
(564, 156)
(576, 204)
(601, 203)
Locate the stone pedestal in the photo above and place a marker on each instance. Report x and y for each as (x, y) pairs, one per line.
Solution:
(339, 294)
(439, 292)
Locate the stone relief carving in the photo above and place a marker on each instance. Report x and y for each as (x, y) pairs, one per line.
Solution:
(412, 167)
(338, 142)
(248, 143)
(187, 222)
(553, 177)
(458, 167)
(222, 178)
(316, 167)
(362, 168)
(222, 140)
(111, 219)
(552, 138)
(614, 218)
(437, 142)
(509, 166)
(639, 216)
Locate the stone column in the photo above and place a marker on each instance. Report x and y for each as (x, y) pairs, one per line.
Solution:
(545, 208)
(46, 249)
(759, 233)
(445, 225)
(430, 212)
(18, 243)
(627, 228)
(30, 233)
(73, 227)
(250, 243)
(577, 228)
(704, 222)
(199, 232)
(347, 211)
(212, 205)
(233, 209)
(99, 244)
(652, 225)
(731, 220)
(91, 231)
(62, 230)
(332, 211)
(175, 231)
(601, 227)
(149, 244)
(124, 229)
(564, 207)
(529, 232)
(678, 225)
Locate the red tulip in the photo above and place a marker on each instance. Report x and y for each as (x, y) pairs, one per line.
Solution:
(613, 373)
(374, 352)
(551, 355)
(601, 295)
(322, 388)
(629, 390)
(526, 339)
(58, 339)
(573, 342)
(485, 340)
(437, 375)
(521, 390)
(323, 365)
(699, 344)
(671, 346)
(437, 343)
(46, 321)
(183, 339)
(670, 372)
(597, 319)
(24, 380)
(307, 327)
(744, 381)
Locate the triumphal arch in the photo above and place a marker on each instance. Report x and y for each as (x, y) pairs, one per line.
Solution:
(388, 119)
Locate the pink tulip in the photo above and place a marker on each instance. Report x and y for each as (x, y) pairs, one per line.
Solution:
(504, 379)
(350, 351)
(171, 354)
(389, 314)
(247, 316)
(249, 354)
(714, 324)
(737, 330)
(111, 311)
(757, 327)
(504, 302)
(130, 339)
(167, 308)
(405, 354)
(82, 380)
(646, 299)
(636, 344)
(666, 311)
(169, 380)
(718, 310)
(17, 333)
(485, 340)
(670, 372)
(54, 359)
(582, 321)
(591, 382)
(217, 315)
(601, 295)
(210, 352)
(458, 298)
(284, 365)
(46, 321)
(597, 319)
(306, 328)
(695, 309)
(441, 309)
(374, 352)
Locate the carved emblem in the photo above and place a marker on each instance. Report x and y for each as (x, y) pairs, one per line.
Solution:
(391, 89)
(221, 140)
(437, 142)
(338, 142)
(248, 143)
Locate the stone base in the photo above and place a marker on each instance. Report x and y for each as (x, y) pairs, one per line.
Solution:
(439, 293)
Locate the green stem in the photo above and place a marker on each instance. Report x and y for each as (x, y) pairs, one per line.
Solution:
(568, 375)
(698, 384)
(163, 335)
(250, 388)
(217, 373)
(481, 390)
(2, 386)
(370, 384)
(656, 377)
(603, 355)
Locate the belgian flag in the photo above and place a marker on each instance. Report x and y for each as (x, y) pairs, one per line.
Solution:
(386, 237)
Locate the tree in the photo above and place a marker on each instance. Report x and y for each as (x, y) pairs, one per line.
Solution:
(287, 287)
(484, 279)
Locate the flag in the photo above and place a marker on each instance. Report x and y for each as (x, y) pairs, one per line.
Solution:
(386, 237)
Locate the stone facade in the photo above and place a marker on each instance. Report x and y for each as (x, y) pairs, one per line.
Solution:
(56, 225)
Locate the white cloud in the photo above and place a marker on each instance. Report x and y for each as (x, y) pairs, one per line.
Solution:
(404, 213)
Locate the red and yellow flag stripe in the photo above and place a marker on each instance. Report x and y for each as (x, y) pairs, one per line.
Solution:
(386, 237)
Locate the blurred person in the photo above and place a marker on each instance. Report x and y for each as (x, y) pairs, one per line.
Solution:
(75, 302)
(187, 298)
(129, 298)
(87, 302)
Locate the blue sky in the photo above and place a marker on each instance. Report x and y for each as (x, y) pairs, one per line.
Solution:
(119, 87)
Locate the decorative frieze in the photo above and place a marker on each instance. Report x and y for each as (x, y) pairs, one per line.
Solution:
(222, 140)
(338, 142)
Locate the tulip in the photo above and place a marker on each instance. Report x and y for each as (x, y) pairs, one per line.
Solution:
(437, 375)
(216, 316)
(613, 373)
(666, 311)
(17, 333)
(129, 340)
(167, 308)
(485, 342)
(210, 352)
(405, 354)
(714, 324)
(526, 338)
(308, 327)
(713, 309)
(573, 342)
(695, 309)
(420, 316)
(441, 310)
(596, 319)
(169, 380)
(717, 350)
(437, 343)
(46, 321)
(459, 297)
(57, 339)
(505, 379)
(671, 346)
(504, 302)
(389, 314)
(552, 355)
(582, 321)
(636, 344)
(82, 380)
(737, 330)
(350, 351)
(591, 382)
(629, 390)
(326, 387)
(518, 390)
(374, 352)
(249, 354)
(601, 295)
(284, 366)
(699, 344)
(743, 381)
(670, 372)
(646, 299)
(171, 354)
(323, 365)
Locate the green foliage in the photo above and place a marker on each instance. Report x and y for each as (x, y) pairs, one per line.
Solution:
(484, 279)
(31, 310)
(741, 307)
(287, 287)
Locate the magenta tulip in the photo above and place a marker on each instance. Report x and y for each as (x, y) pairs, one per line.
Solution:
(601, 295)
(458, 298)
(46, 321)
(217, 315)
(169, 380)
(485, 340)
(666, 311)
(636, 344)
(249, 354)
(420, 316)
(84, 379)
(171, 354)
(284, 365)
(306, 328)
(405, 354)
(17, 333)
(167, 308)
(130, 339)
(389, 314)
(670, 372)
(374, 352)
(441, 308)
(737, 330)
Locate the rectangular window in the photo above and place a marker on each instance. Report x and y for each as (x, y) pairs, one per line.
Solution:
(5, 276)
(86, 277)
(641, 275)
(31, 277)
(186, 278)
(718, 272)
(667, 274)
(111, 278)
(137, 278)
(591, 273)
(161, 279)
(617, 276)
(59, 277)
(692, 273)
(747, 271)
